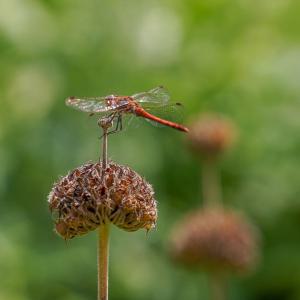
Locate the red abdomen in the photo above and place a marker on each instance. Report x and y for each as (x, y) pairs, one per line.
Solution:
(140, 112)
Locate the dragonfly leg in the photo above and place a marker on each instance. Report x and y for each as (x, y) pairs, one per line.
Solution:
(112, 116)
(108, 120)
(119, 125)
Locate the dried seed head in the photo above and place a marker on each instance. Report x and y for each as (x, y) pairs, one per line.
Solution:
(215, 239)
(211, 135)
(84, 199)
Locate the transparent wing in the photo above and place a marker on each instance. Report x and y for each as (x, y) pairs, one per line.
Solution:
(129, 122)
(158, 95)
(173, 112)
(89, 105)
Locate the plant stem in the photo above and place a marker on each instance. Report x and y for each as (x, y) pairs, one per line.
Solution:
(103, 237)
(104, 149)
(105, 123)
(218, 287)
(211, 183)
(103, 258)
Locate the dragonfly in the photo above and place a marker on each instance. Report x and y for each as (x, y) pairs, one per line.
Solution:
(140, 105)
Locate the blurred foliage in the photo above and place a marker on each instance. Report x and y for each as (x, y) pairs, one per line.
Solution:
(240, 58)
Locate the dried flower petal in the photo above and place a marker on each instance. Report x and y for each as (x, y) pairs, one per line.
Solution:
(211, 135)
(84, 199)
(215, 239)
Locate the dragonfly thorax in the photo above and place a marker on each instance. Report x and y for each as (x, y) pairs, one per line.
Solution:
(118, 102)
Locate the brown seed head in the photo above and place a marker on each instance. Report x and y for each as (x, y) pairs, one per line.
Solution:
(211, 135)
(215, 239)
(83, 200)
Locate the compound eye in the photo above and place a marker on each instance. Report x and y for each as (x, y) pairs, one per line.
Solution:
(110, 97)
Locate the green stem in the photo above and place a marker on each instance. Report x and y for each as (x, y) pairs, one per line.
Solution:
(103, 258)
(218, 286)
(211, 186)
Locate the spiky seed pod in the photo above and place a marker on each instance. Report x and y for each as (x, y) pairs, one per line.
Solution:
(216, 240)
(83, 200)
(211, 135)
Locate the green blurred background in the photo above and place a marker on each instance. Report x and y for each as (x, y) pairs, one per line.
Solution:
(241, 58)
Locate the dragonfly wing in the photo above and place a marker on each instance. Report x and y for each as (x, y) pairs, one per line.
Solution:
(173, 112)
(129, 121)
(89, 105)
(158, 95)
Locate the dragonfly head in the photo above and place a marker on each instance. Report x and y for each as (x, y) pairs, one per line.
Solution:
(110, 97)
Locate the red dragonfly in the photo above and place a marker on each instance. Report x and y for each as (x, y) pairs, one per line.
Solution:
(139, 105)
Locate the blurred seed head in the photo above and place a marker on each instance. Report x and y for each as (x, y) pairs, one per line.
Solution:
(216, 240)
(84, 200)
(211, 135)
